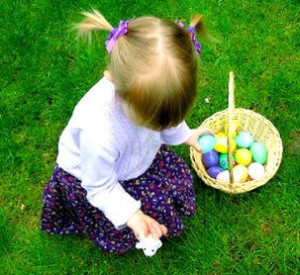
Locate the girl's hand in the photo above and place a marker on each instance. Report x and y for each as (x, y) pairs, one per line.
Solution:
(196, 133)
(143, 224)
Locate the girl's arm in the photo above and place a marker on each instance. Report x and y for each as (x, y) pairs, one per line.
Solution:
(142, 224)
(99, 179)
(183, 134)
(176, 135)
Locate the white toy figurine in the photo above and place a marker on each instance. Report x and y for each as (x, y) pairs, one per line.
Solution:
(149, 245)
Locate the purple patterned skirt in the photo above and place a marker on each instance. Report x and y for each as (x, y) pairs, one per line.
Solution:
(165, 190)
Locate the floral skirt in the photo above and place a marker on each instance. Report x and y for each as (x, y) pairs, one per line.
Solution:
(165, 191)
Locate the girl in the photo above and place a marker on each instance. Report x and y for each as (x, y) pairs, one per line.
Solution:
(115, 178)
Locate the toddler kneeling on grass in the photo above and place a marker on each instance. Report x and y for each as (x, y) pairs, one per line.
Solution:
(115, 178)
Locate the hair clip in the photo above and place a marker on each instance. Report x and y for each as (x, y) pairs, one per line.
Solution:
(192, 31)
(115, 34)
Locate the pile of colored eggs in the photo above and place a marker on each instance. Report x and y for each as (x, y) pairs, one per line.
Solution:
(249, 156)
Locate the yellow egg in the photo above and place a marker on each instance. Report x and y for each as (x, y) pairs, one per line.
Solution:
(221, 145)
(220, 135)
(243, 156)
(236, 127)
(240, 173)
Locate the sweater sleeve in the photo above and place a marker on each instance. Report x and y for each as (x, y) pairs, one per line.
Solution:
(100, 180)
(176, 135)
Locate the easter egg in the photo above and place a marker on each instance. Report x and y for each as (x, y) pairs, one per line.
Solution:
(214, 171)
(224, 176)
(244, 140)
(210, 159)
(243, 156)
(259, 152)
(223, 161)
(240, 173)
(206, 142)
(221, 145)
(236, 127)
(256, 171)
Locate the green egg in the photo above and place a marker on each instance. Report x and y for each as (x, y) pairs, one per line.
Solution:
(259, 152)
(223, 161)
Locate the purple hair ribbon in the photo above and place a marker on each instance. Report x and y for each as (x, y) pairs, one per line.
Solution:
(115, 34)
(192, 31)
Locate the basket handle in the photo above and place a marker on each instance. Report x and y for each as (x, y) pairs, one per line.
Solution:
(230, 124)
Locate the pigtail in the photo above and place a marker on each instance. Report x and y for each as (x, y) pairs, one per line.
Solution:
(197, 22)
(93, 21)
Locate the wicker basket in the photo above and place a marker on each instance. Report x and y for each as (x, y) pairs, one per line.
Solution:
(262, 131)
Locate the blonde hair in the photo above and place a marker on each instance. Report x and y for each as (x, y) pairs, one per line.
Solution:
(153, 67)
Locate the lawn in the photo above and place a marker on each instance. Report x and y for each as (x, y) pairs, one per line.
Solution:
(45, 71)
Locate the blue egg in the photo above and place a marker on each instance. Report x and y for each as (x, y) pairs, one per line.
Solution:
(207, 142)
(214, 171)
(244, 140)
(210, 159)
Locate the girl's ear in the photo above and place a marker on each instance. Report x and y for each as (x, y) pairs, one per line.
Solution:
(107, 74)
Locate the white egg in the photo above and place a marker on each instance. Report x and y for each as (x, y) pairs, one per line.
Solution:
(256, 171)
(224, 176)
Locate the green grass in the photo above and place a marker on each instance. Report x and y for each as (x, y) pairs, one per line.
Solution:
(44, 72)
